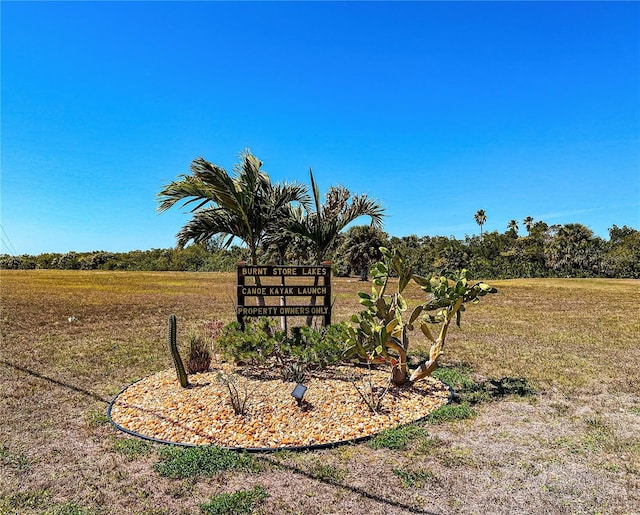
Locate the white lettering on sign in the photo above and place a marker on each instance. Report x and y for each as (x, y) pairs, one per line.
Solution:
(257, 311)
(253, 290)
(254, 270)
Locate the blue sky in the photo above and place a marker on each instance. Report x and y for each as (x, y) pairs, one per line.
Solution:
(436, 109)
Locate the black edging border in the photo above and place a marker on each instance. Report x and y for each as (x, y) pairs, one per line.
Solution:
(293, 448)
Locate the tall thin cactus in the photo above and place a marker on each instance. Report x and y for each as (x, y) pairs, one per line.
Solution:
(173, 350)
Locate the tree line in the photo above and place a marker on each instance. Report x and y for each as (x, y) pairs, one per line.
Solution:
(244, 216)
(569, 250)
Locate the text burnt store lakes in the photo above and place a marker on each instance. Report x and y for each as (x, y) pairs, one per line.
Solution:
(278, 271)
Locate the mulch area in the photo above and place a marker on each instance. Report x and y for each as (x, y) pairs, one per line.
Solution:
(333, 411)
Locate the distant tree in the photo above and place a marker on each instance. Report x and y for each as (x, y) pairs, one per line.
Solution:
(361, 248)
(68, 261)
(573, 251)
(450, 255)
(513, 227)
(622, 258)
(617, 235)
(480, 217)
(528, 223)
(9, 262)
(417, 252)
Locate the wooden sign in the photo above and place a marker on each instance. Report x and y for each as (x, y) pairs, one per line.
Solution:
(316, 282)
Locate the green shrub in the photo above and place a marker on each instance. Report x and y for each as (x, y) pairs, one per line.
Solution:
(181, 462)
(252, 346)
(96, 417)
(237, 503)
(450, 413)
(396, 438)
(315, 348)
(261, 344)
(457, 376)
(132, 448)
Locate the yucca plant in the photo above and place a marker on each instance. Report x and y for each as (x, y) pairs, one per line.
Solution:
(294, 372)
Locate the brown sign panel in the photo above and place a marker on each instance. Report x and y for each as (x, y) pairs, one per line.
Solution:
(319, 286)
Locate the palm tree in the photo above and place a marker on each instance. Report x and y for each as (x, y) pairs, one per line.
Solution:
(320, 223)
(513, 226)
(480, 217)
(243, 205)
(361, 248)
(528, 224)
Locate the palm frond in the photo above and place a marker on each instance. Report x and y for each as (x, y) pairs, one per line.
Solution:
(209, 223)
(363, 206)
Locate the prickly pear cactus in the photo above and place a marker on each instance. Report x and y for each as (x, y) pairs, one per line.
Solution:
(173, 350)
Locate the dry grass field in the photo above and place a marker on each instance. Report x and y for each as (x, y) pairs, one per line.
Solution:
(72, 340)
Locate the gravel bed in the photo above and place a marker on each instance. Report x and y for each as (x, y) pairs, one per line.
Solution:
(333, 411)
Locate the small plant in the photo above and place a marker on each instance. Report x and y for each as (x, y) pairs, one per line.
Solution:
(96, 417)
(370, 394)
(456, 457)
(427, 445)
(132, 448)
(34, 499)
(238, 503)
(181, 462)
(294, 373)
(238, 396)
(214, 329)
(416, 478)
(397, 438)
(68, 508)
(17, 460)
(458, 377)
(199, 355)
(173, 350)
(327, 472)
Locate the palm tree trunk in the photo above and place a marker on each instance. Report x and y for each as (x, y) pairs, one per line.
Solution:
(254, 261)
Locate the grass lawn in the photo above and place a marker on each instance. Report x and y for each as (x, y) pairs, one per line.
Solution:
(72, 340)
